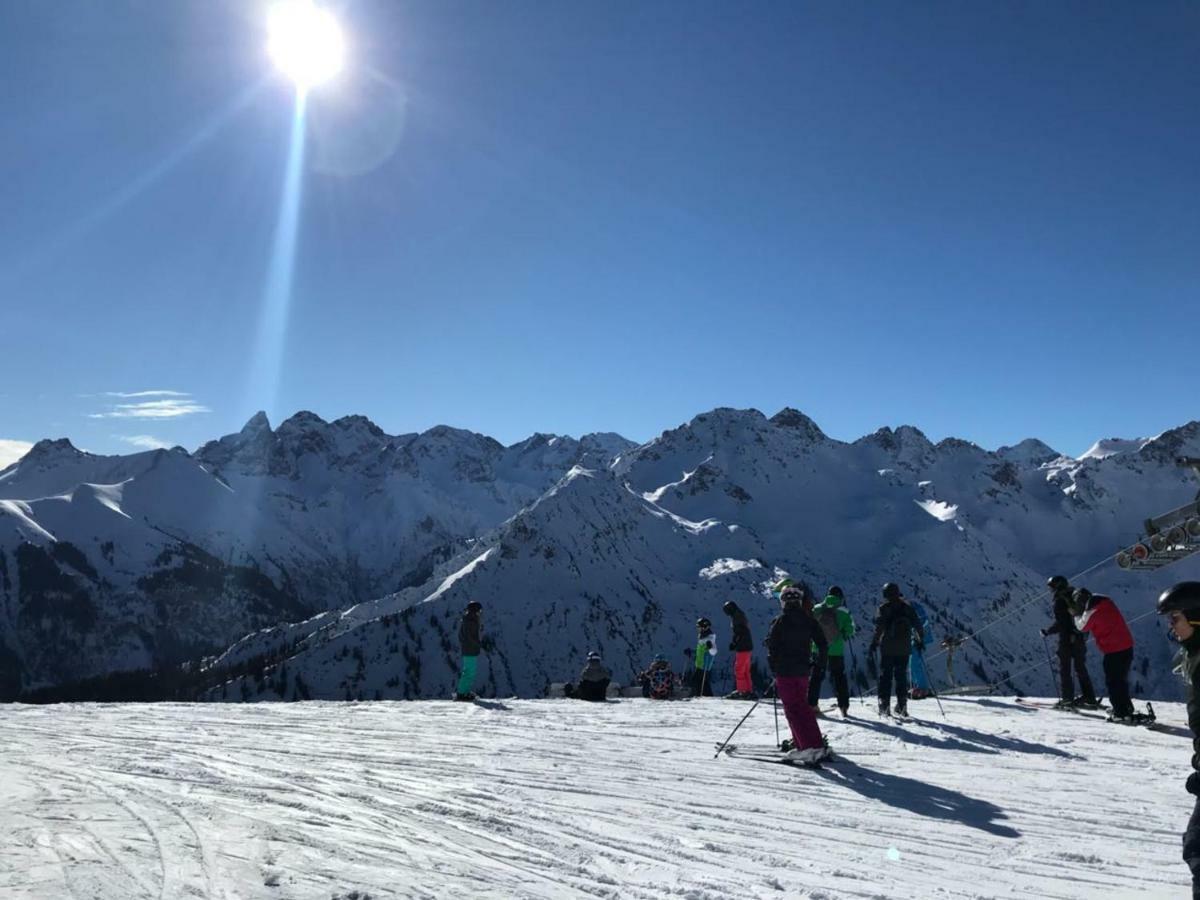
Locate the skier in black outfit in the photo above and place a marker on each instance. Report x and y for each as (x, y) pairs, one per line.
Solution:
(1072, 647)
(896, 627)
(1181, 604)
(740, 645)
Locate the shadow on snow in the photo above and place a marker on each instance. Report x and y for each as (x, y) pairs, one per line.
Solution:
(923, 799)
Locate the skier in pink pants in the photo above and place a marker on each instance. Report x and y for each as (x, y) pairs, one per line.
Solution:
(789, 642)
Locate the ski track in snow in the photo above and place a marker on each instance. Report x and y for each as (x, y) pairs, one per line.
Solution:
(558, 798)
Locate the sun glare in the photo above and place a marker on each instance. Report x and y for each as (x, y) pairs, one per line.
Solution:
(305, 42)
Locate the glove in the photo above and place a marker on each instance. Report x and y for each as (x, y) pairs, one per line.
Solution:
(1193, 784)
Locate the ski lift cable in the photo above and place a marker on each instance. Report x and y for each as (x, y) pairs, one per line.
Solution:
(1032, 599)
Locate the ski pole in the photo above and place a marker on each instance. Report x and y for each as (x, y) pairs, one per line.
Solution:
(725, 743)
(775, 706)
(854, 673)
(932, 690)
(1050, 663)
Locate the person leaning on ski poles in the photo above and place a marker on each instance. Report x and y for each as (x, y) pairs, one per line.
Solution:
(1072, 647)
(789, 642)
(1181, 605)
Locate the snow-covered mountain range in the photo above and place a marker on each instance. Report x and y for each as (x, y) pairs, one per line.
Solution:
(570, 546)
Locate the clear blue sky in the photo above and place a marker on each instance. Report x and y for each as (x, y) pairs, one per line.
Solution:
(977, 218)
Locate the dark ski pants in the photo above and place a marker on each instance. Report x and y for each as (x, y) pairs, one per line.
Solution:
(595, 691)
(1073, 652)
(1116, 676)
(893, 667)
(701, 683)
(1191, 848)
(837, 674)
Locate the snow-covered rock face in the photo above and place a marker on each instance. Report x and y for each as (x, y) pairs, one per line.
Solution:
(716, 509)
(570, 546)
(142, 560)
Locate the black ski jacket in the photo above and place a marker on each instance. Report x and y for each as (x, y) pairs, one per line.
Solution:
(468, 634)
(594, 670)
(1064, 623)
(741, 641)
(790, 640)
(1191, 668)
(895, 624)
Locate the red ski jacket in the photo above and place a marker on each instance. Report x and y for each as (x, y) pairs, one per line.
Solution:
(1106, 625)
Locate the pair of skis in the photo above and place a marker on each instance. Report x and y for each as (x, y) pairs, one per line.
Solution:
(1147, 719)
(773, 755)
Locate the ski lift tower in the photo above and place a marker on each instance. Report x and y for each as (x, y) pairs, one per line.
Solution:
(1169, 537)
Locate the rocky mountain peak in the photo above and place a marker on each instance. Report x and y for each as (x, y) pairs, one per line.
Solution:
(799, 422)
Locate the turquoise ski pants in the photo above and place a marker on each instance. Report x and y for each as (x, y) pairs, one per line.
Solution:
(466, 680)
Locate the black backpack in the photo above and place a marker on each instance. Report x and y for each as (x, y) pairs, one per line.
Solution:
(827, 619)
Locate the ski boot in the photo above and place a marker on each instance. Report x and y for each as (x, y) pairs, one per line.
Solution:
(465, 698)
(787, 745)
(845, 711)
(901, 711)
(885, 709)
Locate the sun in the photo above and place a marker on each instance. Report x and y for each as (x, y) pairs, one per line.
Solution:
(305, 42)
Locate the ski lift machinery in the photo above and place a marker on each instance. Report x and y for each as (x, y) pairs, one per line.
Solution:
(1169, 537)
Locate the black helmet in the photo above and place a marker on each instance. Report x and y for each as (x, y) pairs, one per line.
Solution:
(835, 591)
(474, 606)
(703, 623)
(1058, 583)
(1182, 597)
(891, 591)
(1080, 600)
(730, 607)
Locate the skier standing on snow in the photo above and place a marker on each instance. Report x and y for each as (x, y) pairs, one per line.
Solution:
(896, 627)
(469, 644)
(1072, 647)
(838, 627)
(789, 653)
(1181, 604)
(1098, 615)
(702, 659)
(593, 680)
(919, 686)
(740, 645)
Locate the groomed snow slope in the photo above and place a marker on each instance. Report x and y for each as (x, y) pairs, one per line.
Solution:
(545, 798)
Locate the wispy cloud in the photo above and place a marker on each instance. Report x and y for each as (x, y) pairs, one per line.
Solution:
(11, 451)
(144, 441)
(175, 405)
(126, 395)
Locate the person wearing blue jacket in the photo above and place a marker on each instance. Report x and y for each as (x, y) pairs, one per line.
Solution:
(919, 685)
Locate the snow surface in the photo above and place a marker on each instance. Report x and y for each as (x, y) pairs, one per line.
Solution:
(555, 798)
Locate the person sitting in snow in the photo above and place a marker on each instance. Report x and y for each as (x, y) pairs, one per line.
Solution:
(593, 681)
(1098, 616)
(658, 680)
(790, 640)
(702, 659)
